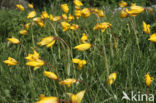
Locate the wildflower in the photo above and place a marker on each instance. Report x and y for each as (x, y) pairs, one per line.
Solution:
(103, 26)
(65, 25)
(50, 75)
(153, 37)
(78, 3)
(84, 37)
(123, 4)
(14, 40)
(33, 57)
(65, 8)
(40, 23)
(64, 16)
(79, 62)
(77, 98)
(51, 99)
(148, 79)
(27, 26)
(37, 19)
(31, 6)
(68, 82)
(85, 12)
(10, 61)
(77, 13)
(44, 15)
(48, 41)
(74, 26)
(146, 28)
(20, 7)
(31, 14)
(23, 32)
(70, 17)
(100, 13)
(124, 13)
(111, 78)
(83, 47)
(135, 10)
(57, 18)
(51, 17)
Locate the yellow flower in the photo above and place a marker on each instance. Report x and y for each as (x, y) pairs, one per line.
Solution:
(78, 3)
(31, 6)
(40, 23)
(33, 57)
(148, 80)
(10, 61)
(85, 12)
(153, 38)
(57, 18)
(100, 13)
(135, 10)
(35, 63)
(23, 32)
(51, 17)
(14, 40)
(31, 14)
(70, 17)
(74, 27)
(44, 15)
(48, 41)
(27, 26)
(51, 99)
(68, 82)
(124, 13)
(37, 19)
(20, 7)
(77, 98)
(111, 78)
(84, 37)
(83, 47)
(64, 16)
(103, 26)
(65, 25)
(79, 62)
(123, 4)
(65, 8)
(50, 75)
(146, 28)
(77, 13)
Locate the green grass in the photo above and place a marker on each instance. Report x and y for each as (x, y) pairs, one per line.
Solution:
(20, 84)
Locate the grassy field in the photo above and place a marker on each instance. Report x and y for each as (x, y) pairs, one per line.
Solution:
(122, 48)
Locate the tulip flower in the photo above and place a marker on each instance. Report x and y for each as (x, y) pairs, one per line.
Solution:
(84, 37)
(85, 12)
(79, 62)
(123, 4)
(57, 18)
(65, 25)
(100, 13)
(135, 10)
(44, 15)
(148, 80)
(31, 14)
(23, 32)
(10, 61)
(51, 99)
(13, 40)
(146, 28)
(68, 82)
(153, 38)
(77, 13)
(74, 26)
(20, 7)
(65, 8)
(111, 78)
(31, 6)
(78, 3)
(124, 13)
(70, 17)
(83, 47)
(50, 75)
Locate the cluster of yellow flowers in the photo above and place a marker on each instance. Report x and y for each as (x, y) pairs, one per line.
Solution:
(35, 60)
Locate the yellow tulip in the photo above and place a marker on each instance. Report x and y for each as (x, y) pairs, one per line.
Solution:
(68, 82)
(77, 98)
(83, 47)
(148, 80)
(48, 41)
(111, 78)
(123, 4)
(70, 17)
(37, 19)
(51, 17)
(35, 63)
(153, 38)
(124, 13)
(14, 40)
(65, 25)
(146, 28)
(31, 14)
(10, 61)
(65, 8)
(20, 7)
(44, 15)
(84, 37)
(57, 18)
(85, 12)
(77, 13)
(40, 23)
(51, 99)
(64, 16)
(100, 13)
(78, 3)
(74, 26)
(135, 10)
(33, 57)
(31, 6)
(79, 62)
(50, 75)
(23, 32)
(103, 26)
